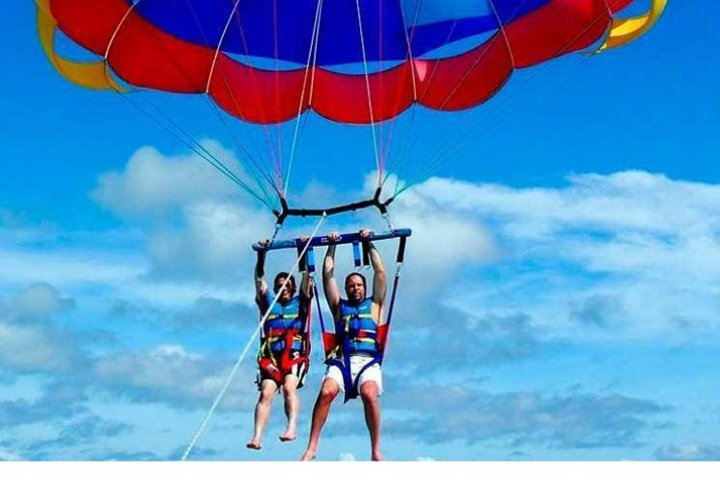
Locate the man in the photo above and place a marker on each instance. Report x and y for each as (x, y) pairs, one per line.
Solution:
(282, 359)
(357, 319)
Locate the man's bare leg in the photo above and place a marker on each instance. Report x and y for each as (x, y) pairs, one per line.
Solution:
(321, 410)
(369, 395)
(292, 405)
(262, 412)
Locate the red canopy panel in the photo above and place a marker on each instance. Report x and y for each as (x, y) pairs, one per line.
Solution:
(145, 56)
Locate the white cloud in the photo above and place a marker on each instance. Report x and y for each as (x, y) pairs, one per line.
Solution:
(9, 456)
(152, 184)
(34, 348)
(40, 301)
(646, 243)
(215, 243)
(65, 268)
(169, 373)
(29, 339)
(689, 452)
(640, 201)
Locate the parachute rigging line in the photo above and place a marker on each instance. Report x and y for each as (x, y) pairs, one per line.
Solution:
(452, 146)
(369, 95)
(194, 145)
(245, 350)
(254, 163)
(312, 59)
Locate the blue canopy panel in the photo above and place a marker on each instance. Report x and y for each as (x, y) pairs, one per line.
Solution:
(282, 29)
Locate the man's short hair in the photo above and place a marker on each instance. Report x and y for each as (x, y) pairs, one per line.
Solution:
(357, 274)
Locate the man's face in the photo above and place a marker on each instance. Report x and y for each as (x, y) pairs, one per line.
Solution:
(287, 292)
(355, 288)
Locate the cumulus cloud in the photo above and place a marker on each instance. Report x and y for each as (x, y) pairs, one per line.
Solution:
(69, 268)
(689, 452)
(635, 200)
(571, 421)
(214, 243)
(444, 338)
(597, 310)
(57, 402)
(35, 348)
(643, 219)
(617, 253)
(153, 184)
(83, 432)
(39, 302)
(209, 312)
(172, 375)
(30, 342)
(7, 455)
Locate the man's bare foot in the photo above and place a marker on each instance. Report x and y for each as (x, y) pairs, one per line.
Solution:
(308, 455)
(377, 457)
(288, 436)
(254, 444)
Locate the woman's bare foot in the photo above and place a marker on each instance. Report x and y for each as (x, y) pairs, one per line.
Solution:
(288, 436)
(377, 457)
(308, 455)
(254, 444)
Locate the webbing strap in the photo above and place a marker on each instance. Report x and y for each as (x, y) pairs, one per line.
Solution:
(365, 254)
(310, 260)
(356, 254)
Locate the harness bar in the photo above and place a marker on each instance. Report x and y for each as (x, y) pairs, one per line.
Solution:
(323, 241)
(286, 211)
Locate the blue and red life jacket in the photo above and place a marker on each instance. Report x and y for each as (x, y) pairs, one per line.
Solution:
(356, 333)
(285, 341)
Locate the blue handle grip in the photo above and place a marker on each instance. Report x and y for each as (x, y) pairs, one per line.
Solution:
(324, 241)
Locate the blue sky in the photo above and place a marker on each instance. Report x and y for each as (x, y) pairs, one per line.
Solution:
(559, 300)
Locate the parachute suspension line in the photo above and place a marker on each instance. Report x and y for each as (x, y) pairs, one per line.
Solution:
(195, 146)
(489, 125)
(312, 59)
(448, 143)
(264, 173)
(411, 140)
(277, 164)
(245, 350)
(408, 43)
(486, 125)
(276, 54)
(117, 29)
(386, 217)
(217, 49)
(387, 134)
(253, 162)
(257, 170)
(232, 93)
(451, 148)
(504, 33)
(207, 156)
(369, 96)
(397, 168)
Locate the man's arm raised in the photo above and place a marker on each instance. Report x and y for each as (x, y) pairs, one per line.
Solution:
(380, 277)
(332, 292)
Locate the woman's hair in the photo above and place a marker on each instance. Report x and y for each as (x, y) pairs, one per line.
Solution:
(283, 276)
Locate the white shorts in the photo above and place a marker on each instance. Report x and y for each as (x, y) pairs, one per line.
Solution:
(357, 362)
